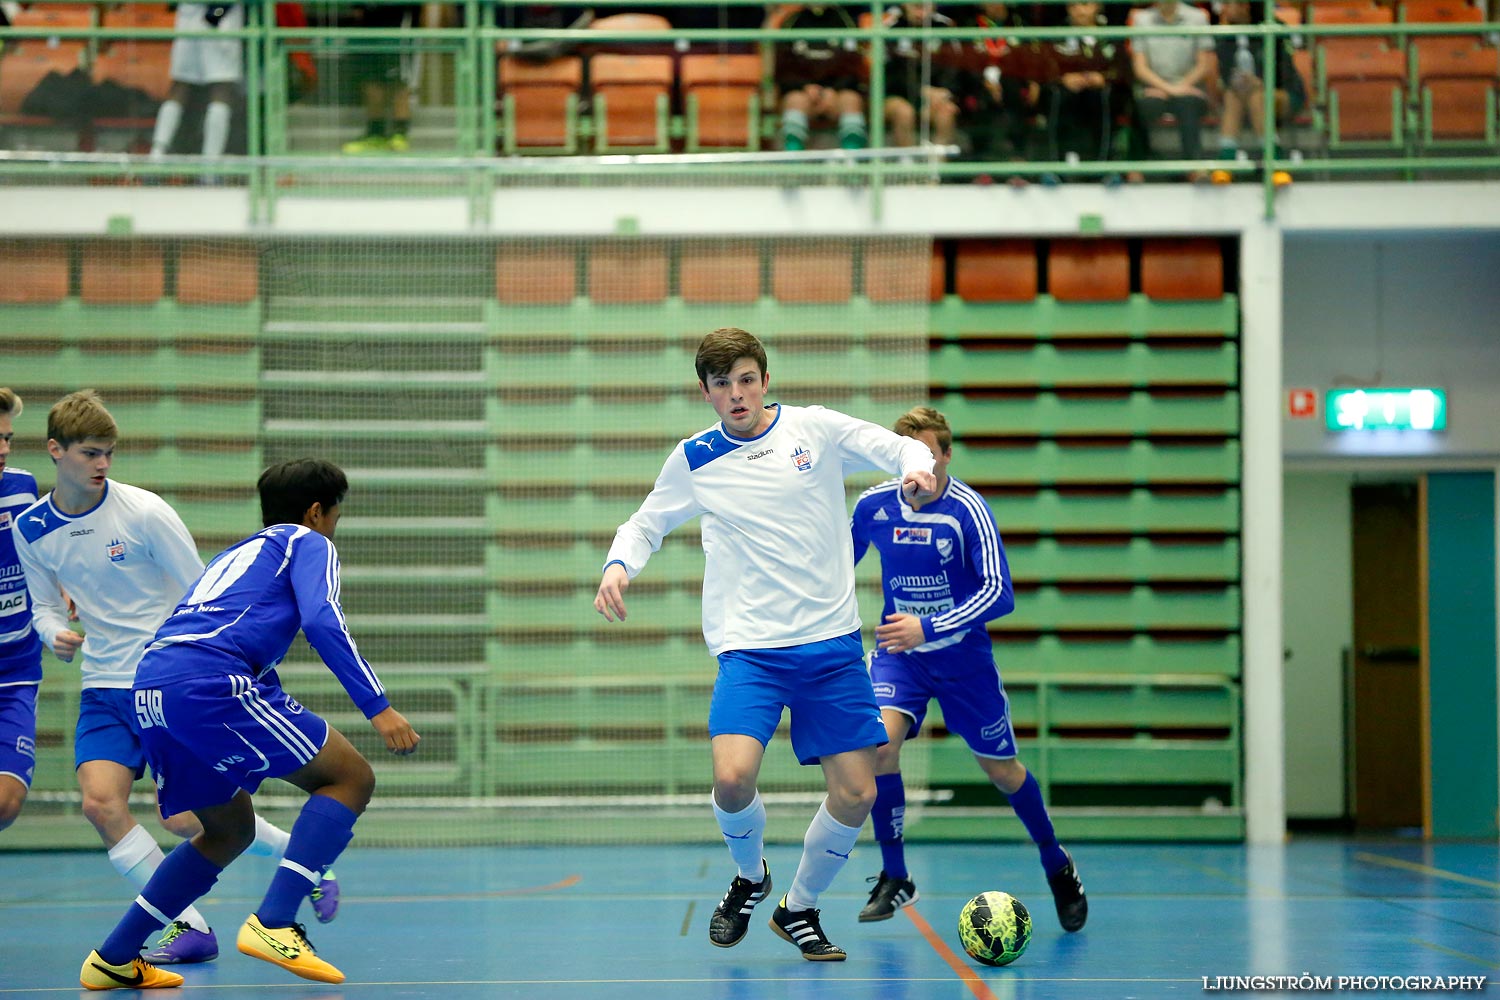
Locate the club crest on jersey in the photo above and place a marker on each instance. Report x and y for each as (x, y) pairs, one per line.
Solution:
(116, 550)
(945, 549)
(802, 459)
(911, 536)
(4, 519)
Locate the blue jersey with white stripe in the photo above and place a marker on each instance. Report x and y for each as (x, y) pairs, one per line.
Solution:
(20, 647)
(944, 563)
(244, 611)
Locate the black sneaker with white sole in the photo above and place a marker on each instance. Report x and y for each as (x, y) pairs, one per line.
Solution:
(731, 919)
(802, 929)
(888, 896)
(1067, 894)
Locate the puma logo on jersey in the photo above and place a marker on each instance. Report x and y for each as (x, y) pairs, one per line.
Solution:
(705, 444)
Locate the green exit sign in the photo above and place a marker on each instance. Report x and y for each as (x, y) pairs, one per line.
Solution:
(1386, 409)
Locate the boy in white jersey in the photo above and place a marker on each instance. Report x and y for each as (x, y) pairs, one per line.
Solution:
(779, 613)
(125, 558)
(20, 649)
(944, 575)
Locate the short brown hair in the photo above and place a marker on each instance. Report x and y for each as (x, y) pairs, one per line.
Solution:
(925, 418)
(10, 403)
(721, 349)
(80, 415)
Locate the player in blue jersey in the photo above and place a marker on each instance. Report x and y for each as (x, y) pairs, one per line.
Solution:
(944, 576)
(779, 612)
(20, 649)
(216, 722)
(125, 558)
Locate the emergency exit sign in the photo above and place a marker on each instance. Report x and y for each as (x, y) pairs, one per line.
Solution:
(1386, 409)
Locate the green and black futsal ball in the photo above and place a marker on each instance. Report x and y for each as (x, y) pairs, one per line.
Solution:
(994, 928)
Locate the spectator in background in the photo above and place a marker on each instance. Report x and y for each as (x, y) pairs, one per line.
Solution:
(1171, 71)
(1241, 61)
(1089, 89)
(819, 79)
(387, 71)
(921, 78)
(1000, 84)
(216, 63)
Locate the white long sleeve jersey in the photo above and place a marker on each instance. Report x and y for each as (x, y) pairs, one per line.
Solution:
(778, 570)
(126, 562)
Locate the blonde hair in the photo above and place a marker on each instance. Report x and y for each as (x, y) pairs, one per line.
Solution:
(10, 403)
(718, 352)
(80, 415)
(925, 418)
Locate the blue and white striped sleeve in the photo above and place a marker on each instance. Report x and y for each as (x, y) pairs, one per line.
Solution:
(315, 582)
(995, 597)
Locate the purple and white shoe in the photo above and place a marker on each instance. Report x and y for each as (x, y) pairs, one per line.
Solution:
(180, 944)
(325, 898)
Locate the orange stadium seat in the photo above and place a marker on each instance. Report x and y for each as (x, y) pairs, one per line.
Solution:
(536, 275)
(813, 271)
(996, 271)
(223, 275)
(628, 272)
(121, 272)
(139, 15)
(539, 104)
(631, 21)
(721, 93)
(146, 66)
(719, 272)
(1365, 94)
(1323, 12)
(632, 101)
(1182, 269)
(34, 272)
(23, 64)
(1459, 89)
(894, 274)
(1089, 270)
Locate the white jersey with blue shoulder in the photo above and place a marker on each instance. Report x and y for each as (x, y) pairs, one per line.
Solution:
(944, 563)
(777, 565)
(242, 614)
(126, 562)
(20, 649)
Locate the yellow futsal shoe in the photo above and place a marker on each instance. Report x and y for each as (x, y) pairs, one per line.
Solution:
(97, 974)
(287, 947)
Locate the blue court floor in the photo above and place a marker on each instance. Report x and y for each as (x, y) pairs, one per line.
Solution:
(627, 923)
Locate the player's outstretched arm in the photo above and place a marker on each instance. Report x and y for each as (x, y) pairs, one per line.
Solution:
(919, 485)
(610, 601)
(400, 738)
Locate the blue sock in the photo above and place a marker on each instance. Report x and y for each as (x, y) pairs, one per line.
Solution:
(887, 817)
(1027, 802)
(182, 877)
(319, 836)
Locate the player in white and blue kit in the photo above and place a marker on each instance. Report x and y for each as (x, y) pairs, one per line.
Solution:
(779, 612)
(944, 576)
(20, 649)
(215, 723)
(125, 558)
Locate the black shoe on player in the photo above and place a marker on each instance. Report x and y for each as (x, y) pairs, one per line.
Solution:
(802, 929)
(888, 896)
(1067, 893)
(731, 919)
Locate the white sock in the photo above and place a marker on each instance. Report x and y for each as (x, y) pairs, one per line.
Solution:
(215, 129)
(825, 850)
(168, 117)
(136, 857)
(270, 840)
(745, 835)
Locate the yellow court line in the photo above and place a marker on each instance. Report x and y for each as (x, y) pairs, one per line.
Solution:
(1420, 869)
(1455, 953)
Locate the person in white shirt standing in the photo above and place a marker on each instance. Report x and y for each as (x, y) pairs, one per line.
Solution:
(125, 559)
(779, 613)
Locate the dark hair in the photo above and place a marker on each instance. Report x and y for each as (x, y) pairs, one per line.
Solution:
(719, 351)
(287, 490)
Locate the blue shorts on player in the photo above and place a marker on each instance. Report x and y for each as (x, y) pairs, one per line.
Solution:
(18, 731)
(967, 688)
(209, 735)
(106, 730)
(823, 684)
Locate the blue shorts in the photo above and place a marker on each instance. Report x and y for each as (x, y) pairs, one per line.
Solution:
(966, 686)
(823, 683)
(208, 737)
(106, 730)
(18, 731)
